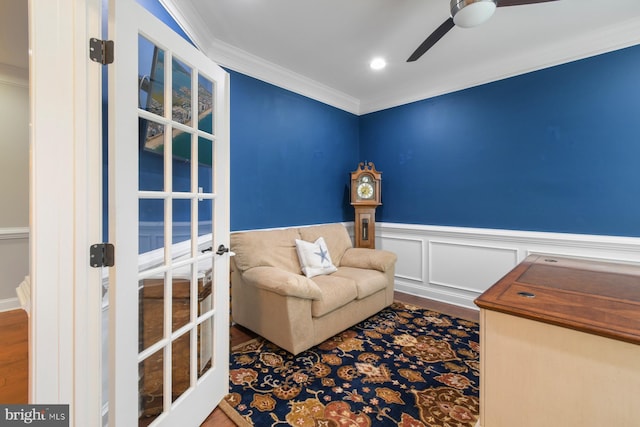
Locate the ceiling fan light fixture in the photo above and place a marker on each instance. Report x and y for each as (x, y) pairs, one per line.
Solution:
(469, 13)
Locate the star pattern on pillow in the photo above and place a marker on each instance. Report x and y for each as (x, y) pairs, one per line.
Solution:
(323, 255)
(314, 257)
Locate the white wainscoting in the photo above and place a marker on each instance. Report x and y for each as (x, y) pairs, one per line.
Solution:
(14, 264)
(456, 264)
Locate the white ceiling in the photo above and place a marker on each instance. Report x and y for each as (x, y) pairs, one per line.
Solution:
(322, 48)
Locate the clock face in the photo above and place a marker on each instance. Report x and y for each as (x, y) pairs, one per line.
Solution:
(365, 190)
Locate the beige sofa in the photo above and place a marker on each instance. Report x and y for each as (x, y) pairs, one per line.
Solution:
(271, 296)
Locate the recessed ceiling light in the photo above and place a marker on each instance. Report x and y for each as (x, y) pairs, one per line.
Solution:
(378, 64)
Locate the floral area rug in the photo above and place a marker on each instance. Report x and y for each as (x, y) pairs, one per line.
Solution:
(405, 366)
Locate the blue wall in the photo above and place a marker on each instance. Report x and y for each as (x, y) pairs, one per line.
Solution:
(555, 150)
(290, 157)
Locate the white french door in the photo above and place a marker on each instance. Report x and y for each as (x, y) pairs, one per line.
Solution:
(168, 215)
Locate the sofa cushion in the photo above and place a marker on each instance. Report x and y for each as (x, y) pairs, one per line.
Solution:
(270, 248)
(336, 236)
(336, 292)
(367, 282)
(369, 259)
(282, 282)
(314, 257)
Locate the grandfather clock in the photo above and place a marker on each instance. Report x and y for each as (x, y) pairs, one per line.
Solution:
(365, 198)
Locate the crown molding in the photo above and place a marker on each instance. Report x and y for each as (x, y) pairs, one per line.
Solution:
(253, 66)
(243, 62)
(605, 40)
(608, 39)
(190, 21)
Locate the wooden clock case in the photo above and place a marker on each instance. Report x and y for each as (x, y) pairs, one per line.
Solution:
(365, 208)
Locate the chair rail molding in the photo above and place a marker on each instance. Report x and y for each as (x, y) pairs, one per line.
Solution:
(457, 264)
(14, 76)
(10, 233)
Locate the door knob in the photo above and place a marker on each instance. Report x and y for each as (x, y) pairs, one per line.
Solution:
(222, 249)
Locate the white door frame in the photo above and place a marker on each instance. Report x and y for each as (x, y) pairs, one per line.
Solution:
(65, 207)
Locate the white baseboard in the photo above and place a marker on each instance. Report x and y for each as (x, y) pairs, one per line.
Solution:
(456, 264)
(9, 304)
(14, 264)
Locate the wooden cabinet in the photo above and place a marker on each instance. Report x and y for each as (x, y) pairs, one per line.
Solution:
(560, 345)
(365, 198)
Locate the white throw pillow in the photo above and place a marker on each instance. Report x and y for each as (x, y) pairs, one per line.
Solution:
(314, 257)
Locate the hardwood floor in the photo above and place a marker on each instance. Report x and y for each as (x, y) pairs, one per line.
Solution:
(14, 359)
(14, 351)
(441, 307)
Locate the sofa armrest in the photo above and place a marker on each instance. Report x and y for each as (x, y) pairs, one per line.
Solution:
(282, 282)
(372, 259)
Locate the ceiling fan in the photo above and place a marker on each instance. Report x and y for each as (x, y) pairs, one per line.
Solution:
(467, 13)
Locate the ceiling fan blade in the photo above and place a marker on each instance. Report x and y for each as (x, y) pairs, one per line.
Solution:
(432, 39)
(502, 3)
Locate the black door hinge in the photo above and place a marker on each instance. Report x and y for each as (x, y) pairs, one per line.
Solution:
(101, 255)
(101, 51)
